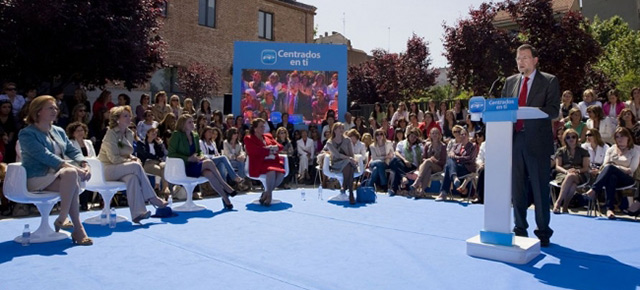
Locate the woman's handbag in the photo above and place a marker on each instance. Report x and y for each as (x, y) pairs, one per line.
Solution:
(365, 194)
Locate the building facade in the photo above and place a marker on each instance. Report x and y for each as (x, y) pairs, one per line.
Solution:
(204, 31)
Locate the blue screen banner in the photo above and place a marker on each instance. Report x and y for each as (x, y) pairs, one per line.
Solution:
(300, 80)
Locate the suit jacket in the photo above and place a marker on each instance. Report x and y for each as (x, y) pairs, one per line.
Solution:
(258, 165)
(545, 95)
(91, 152)
(38, 153)
(179, 145)
(114, 150)
(143, 151)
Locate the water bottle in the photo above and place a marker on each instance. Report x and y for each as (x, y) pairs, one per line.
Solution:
(103, 217)
(320, 192)
(303, 195)
(26, 236)
(170, 201)
(112, 218)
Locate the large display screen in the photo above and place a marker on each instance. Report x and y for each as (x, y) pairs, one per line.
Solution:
(305, 96)
(299, 79)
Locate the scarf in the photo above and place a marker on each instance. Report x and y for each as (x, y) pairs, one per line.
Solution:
(411, 152)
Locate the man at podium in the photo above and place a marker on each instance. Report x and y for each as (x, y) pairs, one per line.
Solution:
(532, 142)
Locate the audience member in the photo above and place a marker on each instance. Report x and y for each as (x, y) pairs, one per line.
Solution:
(43, 159)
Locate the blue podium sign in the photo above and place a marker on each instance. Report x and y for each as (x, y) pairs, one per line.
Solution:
(502, 104)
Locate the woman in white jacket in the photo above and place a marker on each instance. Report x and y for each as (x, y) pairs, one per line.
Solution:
(605, 125)
(77, 132)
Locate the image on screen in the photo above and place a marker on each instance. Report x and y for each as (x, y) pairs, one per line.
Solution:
(305, 96)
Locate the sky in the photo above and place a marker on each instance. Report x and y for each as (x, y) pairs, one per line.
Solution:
(389, 24)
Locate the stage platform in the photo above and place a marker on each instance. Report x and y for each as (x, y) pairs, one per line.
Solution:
(396, 243)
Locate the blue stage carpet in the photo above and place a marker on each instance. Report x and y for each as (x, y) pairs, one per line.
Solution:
(396, 243)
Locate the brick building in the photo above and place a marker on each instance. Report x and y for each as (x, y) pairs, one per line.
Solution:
(204, 31)
(354, 55)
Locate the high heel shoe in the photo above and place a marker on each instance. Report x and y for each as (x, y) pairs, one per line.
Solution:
(233, 193)
(62, 225)
(227, 206)
(86, 241)
(141, 217)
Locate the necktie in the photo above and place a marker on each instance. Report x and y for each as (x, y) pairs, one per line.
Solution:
(522, 101)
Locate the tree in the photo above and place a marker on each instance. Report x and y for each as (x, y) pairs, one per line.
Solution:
(565, 47)
(392, 77)
(415, 75)
(478, 52)
(88, 42)
(198, 81)
(620, 60)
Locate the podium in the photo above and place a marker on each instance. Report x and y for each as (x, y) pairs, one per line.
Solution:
(496, 240)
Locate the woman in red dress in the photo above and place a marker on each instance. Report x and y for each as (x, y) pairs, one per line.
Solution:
(262, 150)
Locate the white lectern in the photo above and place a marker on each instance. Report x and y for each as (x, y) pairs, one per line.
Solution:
(497, 241)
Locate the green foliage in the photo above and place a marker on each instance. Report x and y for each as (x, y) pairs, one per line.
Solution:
(620, 60)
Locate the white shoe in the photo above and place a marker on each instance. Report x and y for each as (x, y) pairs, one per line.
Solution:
(441, 197)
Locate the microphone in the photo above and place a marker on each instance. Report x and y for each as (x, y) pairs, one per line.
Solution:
(492, 85)
(517, 88)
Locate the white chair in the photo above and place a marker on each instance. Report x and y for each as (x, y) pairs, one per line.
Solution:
(263, 177)
(106, 189)
(175, 173)
(326, 170)
(15, 189)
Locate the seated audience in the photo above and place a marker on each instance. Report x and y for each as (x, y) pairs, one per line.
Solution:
(116, 154)
(342, 158)
(152, 153)
(572, 167)
(184, 144)
(589, 99)
(461, 160)
(434, 156)
(44, 147)
(620, 163)
(262, 150)
(306, 148)
(381, 154)
(604, 124)
(408, 157)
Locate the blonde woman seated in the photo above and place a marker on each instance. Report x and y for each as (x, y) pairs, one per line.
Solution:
(342, 158)
(435, 157)
(620, 163)
(184, 144)
(44, 147)
(116, 153)
(572, 167)
(381, 154)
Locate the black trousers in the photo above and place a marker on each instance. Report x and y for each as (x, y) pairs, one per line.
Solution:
(530, 179)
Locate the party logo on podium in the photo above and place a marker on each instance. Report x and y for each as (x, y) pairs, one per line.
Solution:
(476, 105)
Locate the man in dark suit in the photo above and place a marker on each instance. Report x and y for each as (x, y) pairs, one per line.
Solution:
(532, 142)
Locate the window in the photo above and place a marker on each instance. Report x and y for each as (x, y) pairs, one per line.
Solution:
(164, 7)
(207, 13)
(265, 25)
